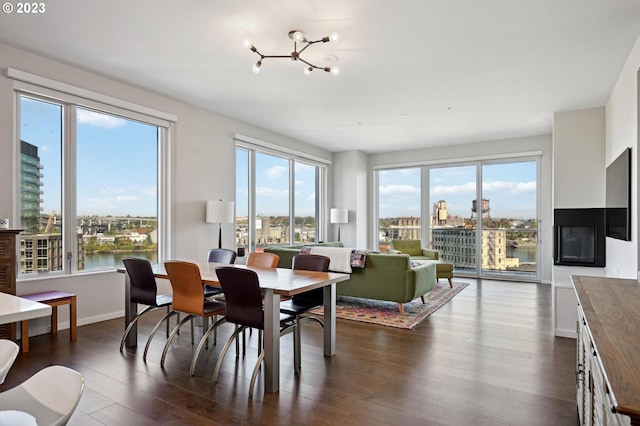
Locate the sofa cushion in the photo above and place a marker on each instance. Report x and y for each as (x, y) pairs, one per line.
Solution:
(410, 247)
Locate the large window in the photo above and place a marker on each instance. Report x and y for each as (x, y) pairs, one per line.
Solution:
(278, 199)
(481, 216)
(89, 185)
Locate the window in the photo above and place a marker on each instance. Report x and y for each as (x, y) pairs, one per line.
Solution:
(398, 206)
(89, 184)
(278, 198)
(479, 215)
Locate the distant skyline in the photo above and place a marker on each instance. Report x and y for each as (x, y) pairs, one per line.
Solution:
(116, 160)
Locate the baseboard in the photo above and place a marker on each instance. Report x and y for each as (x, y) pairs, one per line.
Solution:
(65, 325)
(565, 333)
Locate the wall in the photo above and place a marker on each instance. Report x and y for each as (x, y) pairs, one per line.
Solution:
(350, 191)
(202, 153)
(578, 182)
(621, 132)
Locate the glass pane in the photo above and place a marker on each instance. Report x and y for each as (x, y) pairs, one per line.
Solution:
(272, 201)
(452, 192)
(305, 203)
(117, 189)
(40, 186)
(510, 234)
(242, 198)
(398, 206)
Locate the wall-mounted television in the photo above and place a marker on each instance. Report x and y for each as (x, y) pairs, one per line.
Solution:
(618, 196)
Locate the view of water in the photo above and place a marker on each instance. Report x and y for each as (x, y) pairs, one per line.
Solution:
(107, 260)
(526, 255)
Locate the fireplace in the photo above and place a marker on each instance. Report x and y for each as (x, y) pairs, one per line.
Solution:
(579, 237)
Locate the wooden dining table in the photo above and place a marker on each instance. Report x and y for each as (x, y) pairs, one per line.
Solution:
(274, 282)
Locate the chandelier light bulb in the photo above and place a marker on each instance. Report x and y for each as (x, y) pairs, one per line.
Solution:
(298, 49)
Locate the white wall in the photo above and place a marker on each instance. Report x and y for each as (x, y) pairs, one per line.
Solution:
(578, 182)
(203, 168)
(487, 149)
(621, 132)
(350, 191)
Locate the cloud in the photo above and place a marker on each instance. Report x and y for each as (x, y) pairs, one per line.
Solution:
(112, 190)
(510, 188)
(264, 191)
(443, 190)
(100, 120)
(396, 189)
(275, 172)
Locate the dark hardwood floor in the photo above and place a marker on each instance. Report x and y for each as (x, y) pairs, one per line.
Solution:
(488, 357)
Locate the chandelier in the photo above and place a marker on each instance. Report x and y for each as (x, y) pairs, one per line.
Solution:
(298, 38)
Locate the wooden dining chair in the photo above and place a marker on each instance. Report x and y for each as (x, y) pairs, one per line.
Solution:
(244, 308)
(263, 260)
(188, 297)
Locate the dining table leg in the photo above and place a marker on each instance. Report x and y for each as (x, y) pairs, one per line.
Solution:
(330, 320)
(130, 310)
(271, 341)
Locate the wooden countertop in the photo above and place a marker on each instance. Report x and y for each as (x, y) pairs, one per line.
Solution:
(611, 308)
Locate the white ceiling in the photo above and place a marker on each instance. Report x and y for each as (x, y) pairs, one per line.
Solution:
(461, 70)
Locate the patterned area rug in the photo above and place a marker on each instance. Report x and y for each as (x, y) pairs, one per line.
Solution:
(386, 313)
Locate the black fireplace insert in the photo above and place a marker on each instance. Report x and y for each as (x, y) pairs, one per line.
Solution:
(579, 237)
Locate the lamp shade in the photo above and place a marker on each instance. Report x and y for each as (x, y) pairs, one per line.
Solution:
(339, 216)
(220, 211)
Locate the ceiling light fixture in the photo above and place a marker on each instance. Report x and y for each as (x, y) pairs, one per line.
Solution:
(297, 37)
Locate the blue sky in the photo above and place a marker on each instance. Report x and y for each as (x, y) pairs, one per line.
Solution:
(117, 173)
(116, 160)
(272, 186)
(510, 188)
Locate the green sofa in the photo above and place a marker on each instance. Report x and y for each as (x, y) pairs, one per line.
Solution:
(384, 277)
(413, 248)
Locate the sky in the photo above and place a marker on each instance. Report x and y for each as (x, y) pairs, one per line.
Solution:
(116, 160)
(510, 188)
(117, 174)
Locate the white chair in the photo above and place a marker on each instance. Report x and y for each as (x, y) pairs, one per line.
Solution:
(51, 396)
(8, 353)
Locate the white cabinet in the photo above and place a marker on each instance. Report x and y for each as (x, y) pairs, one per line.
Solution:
(595, 405)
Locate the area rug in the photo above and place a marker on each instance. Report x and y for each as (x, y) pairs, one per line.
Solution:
(387, 313)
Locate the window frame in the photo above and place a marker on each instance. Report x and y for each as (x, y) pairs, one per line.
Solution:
(253, 146)
(68, 98)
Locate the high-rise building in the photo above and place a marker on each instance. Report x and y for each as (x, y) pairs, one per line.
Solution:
(30, 183)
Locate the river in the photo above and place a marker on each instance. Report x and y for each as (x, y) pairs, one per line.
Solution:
(106, 260)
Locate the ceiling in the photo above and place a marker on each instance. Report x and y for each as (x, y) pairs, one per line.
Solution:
(413, 73)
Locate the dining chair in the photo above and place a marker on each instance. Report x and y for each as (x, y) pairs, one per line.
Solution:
(259, 260)
(218, 255)
(263, 260)
(300, 304)
(144, 290)
(50, 396)
(188, 297)
(8, 353)
(244, 308)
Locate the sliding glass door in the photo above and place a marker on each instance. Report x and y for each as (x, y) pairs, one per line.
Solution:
(453, 220)
(481, 216)
(509, 224)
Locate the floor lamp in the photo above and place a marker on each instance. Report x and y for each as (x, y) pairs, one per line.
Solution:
(220, 212)
(339, 216)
